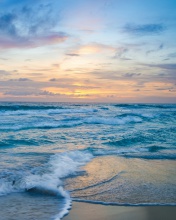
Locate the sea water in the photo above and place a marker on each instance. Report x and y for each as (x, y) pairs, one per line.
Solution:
(54, 153)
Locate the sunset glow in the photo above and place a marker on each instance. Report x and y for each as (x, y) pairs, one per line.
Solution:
(88, 51)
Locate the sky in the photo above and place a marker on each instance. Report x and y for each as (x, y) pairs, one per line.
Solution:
(121, 51)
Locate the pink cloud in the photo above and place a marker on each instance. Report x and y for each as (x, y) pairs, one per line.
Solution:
(31, 42)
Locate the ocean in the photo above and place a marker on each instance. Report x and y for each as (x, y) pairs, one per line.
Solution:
(114, 154)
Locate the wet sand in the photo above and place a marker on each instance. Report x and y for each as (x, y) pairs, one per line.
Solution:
(87, 211)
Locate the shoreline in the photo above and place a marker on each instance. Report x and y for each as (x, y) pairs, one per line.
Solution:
(89, 211)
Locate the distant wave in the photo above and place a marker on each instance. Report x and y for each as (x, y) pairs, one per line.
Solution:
(112, 121)
(50, 123)
(141, 114)
(14, 142)
(59, 108)
(27, 107)
(126, 141)
(41, 124)
(135, 106)
(45, 111)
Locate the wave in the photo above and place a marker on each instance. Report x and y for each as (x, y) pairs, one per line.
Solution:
(112, 121)
(136, 106)
(47, 179)
(59, 124)
(138, 152)
(13, 107)
(126, 141)
(96, 152)
(52, 109)
(44, 111)
(156, 148)
(143, 115)
(153, 156)
(104, 108)
(135, 152)
(14, 142)
(72, 110)
(52, 123)
(41, 125)
(142, 139)
(122, 204)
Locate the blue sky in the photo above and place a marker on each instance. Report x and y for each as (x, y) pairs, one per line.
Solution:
(88, 51)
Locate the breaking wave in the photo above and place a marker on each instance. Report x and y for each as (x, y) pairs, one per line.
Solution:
(47, 179)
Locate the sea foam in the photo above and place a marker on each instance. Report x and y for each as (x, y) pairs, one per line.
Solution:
(48, 179)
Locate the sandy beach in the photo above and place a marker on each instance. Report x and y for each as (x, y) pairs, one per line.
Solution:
(87, 211)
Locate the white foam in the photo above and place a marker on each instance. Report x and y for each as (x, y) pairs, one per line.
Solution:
(71, 110)
(67, 206)
(102, 152)
(43, 125)
(148, 115)
(123, 204)
(49, 111)
(49, 180)
(113, 121)
(5, 188)
(59, 166)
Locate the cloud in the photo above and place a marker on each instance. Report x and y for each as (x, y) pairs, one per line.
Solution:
(160, 46)
(47, 93)
(31, 42)
(4, 73)
(130, 75)
(3, 58)
(120, 52)
(72, 54)
(31, 87)
(30, 25)
(166, 88)
(56, 65)
(168, 66)
(170, 56)
(117, 75)
(155, 50)
(125, 58)
(144, 29)
(29, 92)
(7, 24)
(134, 78)
(20, 80)
(24, 79)
(53, 80)
(52, 38)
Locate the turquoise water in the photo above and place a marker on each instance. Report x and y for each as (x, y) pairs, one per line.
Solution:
(51, 154)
